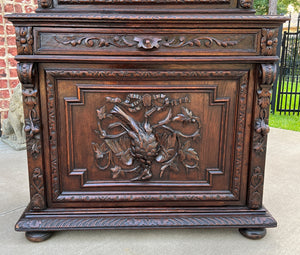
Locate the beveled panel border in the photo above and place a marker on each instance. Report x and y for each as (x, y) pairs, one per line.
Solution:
(53, 75)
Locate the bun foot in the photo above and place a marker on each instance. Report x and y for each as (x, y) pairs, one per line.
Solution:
(38, 236)
(253, 233)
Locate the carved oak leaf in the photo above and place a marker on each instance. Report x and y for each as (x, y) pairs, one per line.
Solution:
(101, 113)
(116, 171)
(99, 150)
(167, 147)
(172, 167)
(186, 116)
(188, 153)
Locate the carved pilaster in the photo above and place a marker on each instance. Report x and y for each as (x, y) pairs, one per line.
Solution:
(45, 4)
(246, 4)
(269, 41)
(260, 130)
(26, 74)
(24, 40)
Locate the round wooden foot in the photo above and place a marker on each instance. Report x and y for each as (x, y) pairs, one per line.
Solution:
(38, 236)
(253, 233)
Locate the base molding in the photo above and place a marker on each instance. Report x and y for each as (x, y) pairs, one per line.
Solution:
(57, 220)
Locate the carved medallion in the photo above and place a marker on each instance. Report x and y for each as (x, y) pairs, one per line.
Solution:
(131, 144)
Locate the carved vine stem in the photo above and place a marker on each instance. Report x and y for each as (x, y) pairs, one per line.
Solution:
(26, 74)
(146, 42)
(261, 129)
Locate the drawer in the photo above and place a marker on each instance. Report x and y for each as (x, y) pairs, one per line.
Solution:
(165, 42)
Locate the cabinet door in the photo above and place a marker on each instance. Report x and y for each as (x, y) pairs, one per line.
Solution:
(116, 135)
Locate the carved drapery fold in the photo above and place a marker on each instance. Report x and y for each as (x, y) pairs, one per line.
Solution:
(24, 40)
(267, 75)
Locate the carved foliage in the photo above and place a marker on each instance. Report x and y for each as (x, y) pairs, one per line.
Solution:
(132, 151)
(37, 190)
(269, 41)
(32, 119)
(24, 40)
(145, 42)
(256, 188)
(268, 73)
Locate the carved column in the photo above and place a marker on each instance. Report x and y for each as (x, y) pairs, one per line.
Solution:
(26, 74)
(259, 136)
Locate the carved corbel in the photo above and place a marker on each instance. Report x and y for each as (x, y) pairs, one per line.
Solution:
(26, 74)
(45, 4)
(24, 40)
(267, 74)
(246, 4)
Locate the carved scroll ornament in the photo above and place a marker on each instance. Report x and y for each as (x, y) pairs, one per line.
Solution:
(146, 42)
(133, 150)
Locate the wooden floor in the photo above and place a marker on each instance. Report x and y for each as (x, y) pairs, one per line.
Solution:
(282, 198)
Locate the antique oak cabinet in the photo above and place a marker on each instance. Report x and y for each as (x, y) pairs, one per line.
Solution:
(146, 114)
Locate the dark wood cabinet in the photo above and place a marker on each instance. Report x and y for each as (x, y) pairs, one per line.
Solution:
(146, 115)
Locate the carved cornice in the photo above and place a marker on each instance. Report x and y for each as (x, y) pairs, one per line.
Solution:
(145, 42)
(45, 3)
(52, 75)
(246, 4)
(269, 41)
(24, 40)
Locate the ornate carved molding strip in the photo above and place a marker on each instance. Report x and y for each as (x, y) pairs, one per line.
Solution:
(143, 1)
(269, 41)
(24, 40)
(37, 190)
(148, 221)
(145, 42)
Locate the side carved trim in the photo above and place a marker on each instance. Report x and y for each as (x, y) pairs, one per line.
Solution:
(24, 40)
(267, 75)
(269, 41)
(37, 190)
(246, 4)
(256, 188)
(45, 3)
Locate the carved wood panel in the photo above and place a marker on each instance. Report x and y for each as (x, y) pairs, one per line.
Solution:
(170, 121)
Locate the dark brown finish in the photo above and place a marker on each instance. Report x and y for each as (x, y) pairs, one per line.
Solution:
(36, 236)
(253, 233)
(146, 117)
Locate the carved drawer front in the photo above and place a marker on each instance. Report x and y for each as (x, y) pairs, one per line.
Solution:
(151, 137)
(150, 42)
